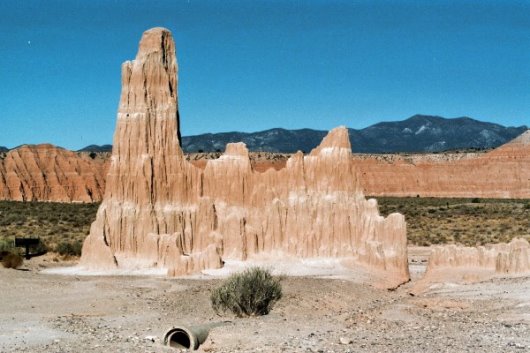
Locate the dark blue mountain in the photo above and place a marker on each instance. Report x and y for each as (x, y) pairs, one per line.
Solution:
(419, 133)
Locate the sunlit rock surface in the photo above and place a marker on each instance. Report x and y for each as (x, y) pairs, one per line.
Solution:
(49, 173)
(462, 264)
(161, 211)
(500, 173)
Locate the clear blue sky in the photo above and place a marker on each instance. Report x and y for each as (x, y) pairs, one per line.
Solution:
(253, 65)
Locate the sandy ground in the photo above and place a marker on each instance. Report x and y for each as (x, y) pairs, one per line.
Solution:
(68, 313)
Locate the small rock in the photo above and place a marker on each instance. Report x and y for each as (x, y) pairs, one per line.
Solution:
(344, 340)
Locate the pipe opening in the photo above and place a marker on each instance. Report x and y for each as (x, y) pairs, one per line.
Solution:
(179, 339)
(190, 337)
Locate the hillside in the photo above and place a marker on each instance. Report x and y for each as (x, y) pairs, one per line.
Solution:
(49, 173)
(501, 173)
(96, 148)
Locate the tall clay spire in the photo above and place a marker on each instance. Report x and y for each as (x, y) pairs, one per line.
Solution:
(159, 211)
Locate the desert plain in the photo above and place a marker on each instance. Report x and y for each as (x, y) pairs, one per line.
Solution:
(327, 312)
(357, 275)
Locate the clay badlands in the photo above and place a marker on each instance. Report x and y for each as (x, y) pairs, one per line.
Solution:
(164, 214)
(76, 177)
(161, 211)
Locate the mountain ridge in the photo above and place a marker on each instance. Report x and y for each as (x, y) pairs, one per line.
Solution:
(419, 133)
(96, 148)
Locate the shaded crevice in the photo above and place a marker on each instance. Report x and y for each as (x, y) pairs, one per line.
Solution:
(179, 137)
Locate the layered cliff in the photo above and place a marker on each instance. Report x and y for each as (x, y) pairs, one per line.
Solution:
(500, 173)
(159, 210)
(49, 173)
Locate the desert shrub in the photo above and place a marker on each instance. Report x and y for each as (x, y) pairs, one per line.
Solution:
(6, 244)
(527, 206)
(475, 200)
(70, 248)
(252, 292)
(12, 260)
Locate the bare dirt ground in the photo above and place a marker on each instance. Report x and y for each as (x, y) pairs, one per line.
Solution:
(66, 313)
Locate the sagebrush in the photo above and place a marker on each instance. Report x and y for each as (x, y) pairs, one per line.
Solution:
(69, 248)
(12, 261)
(6, 244)
(252, 292)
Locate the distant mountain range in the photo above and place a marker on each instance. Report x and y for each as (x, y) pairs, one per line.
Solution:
(422, 133)
(3, 149)
(97, 148)
(419, 133)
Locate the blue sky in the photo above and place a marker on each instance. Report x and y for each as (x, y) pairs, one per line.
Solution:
(255, 65)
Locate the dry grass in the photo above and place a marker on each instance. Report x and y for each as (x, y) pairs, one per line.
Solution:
(56, 224)
(460, 221)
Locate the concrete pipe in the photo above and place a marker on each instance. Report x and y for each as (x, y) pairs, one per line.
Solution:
(191, 337)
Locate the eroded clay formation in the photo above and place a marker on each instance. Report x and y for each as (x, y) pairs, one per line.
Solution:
(49, 173)
(460, 264)
(501, 173)
(161, 211)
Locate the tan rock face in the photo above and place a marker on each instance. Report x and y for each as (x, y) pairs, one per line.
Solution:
(49, 173)
(159, 210)
(452, 263)
(512, 258)
(501, 173)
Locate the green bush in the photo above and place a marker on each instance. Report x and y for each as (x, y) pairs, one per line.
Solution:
(252, 292)
(12, 261)
(67, 248)
(6, 244)
(475, 200)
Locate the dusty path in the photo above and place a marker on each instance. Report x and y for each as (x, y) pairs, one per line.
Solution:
(53, 313)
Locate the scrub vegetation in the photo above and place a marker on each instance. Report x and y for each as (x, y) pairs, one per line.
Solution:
(252, 292)
(62, 227)
(460, 221)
